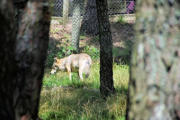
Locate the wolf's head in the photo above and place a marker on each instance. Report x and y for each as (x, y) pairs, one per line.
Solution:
(58, 64)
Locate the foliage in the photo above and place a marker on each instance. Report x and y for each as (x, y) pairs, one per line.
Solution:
(92, 51)
(51, 54)
(58, 52)
(121, 55)
(96, 39)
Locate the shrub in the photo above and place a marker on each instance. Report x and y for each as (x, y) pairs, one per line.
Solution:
(92, 51)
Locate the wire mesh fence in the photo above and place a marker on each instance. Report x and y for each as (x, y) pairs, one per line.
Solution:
(114, 6)
(120, 17)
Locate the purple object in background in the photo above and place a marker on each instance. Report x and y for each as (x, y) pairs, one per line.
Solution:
(130, 7)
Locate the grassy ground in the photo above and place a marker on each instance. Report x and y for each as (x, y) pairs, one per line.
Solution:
(62, 99)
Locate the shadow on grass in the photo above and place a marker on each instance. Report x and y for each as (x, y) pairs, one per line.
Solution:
(123, 40)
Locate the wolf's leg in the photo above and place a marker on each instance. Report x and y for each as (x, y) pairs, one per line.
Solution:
(69, 71)
(87, 75)
(80, 74)
(87, 71)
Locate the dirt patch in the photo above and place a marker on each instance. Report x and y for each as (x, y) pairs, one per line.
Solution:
(122, 37)
(121, 33)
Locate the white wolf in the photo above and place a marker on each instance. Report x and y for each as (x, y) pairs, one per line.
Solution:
(80, 63)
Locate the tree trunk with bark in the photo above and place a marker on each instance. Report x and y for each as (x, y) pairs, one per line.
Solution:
(90, 22)
(105, 38)
(76, 24)
(154, 87)
(22, 57)
(65, 11)
(7, 60)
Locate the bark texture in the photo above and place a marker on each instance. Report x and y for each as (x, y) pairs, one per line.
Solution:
(65, 11)
(154, 88)
(76, 24)
(22, 58)
(7, 60)
(90, 21)
(105, 38)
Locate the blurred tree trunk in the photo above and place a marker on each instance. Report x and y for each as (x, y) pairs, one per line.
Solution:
(22, 57)
(65, 11)
(105, 38)
(76, 24)
(154, 87)
(90, 21)
(7, 60)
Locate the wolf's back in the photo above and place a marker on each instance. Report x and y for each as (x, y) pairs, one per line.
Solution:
(87, 57)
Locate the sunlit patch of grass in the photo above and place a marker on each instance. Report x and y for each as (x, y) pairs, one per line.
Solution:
(121, 77)
(82, 37)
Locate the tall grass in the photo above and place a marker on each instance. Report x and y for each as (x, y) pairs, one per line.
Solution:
(62, 99)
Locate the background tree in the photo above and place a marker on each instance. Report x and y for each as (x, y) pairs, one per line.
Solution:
(22, 57)
(154, 87)
(90, 21)
(7, 60)
(76, 24)
(105, 38)
(65, 11)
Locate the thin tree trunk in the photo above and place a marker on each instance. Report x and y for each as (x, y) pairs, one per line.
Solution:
(105, 38)
(22, 59)
(7, 60)
(154, 88)
(76, 24)
(65, 11)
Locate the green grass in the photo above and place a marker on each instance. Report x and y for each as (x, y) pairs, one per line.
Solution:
(62, 99)
(121, 76)
(80, 104)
